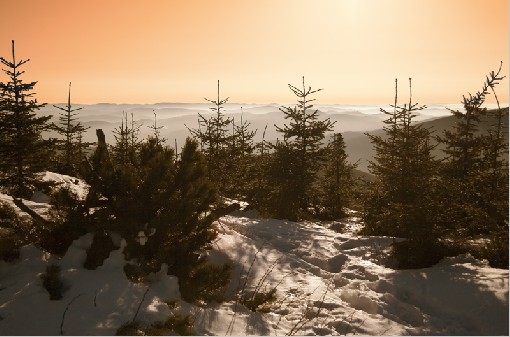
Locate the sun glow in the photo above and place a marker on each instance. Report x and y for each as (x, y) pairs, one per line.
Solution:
(156, 50)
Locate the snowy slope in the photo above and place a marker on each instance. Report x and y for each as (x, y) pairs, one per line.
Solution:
(327, 283)
(458, 296)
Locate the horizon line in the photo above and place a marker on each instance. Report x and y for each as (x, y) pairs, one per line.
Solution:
(502, 104)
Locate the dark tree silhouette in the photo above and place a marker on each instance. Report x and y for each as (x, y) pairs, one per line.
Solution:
(72, 147)
(126, 141)
(156, 133)
(22, 149)
(298, 157)
(475, 173)
(402, 200)
(337, 184)
(215, 139)
(242, 160)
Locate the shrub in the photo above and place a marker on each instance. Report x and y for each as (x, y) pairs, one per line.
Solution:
(134, 273)
(7, 215)
(171, 201)
(175, 324)
(10, 240)
(57, 239)
(338, 227)
(259, 301)
(417, 253)
(9, 245)
(134, 328)
(68, 216)
(205, 282)
(495, 251)
(100, 250)
(182, 325)
(52, 282)
(256, 298)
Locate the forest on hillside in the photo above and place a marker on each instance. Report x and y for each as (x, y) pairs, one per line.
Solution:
(165, 201)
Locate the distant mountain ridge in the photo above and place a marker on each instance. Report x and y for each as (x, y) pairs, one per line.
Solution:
(353, 121)
(359, 148)
(174, 117)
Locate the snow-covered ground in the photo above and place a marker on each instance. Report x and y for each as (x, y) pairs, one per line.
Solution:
(327, 283)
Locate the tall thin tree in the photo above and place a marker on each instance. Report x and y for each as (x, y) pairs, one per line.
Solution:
(72, 145)
(22, 148)
(337, 184)
(299, 152)
(215, 140)
(401, 202)
(474, 166)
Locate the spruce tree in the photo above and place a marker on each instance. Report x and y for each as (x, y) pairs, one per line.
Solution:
(474, 172)
(282, 196)
(156, 133)
(496, 181)
(243, 137)
(126, 141)
(495, 164)
(22, 148)
(72, 147)
(134, 140)
(242, 157)
(402, 200)
(215, 140)
(191, 211)
(337, 183)
(175, 216)
(299, 153)
(142, 200)
(260, 189)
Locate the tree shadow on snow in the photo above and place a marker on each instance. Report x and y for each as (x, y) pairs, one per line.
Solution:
(455, 296)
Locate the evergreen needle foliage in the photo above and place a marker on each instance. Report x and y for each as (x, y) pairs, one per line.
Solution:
(296, 159)
(228, 148)
(53, 283)
(11, 229)
(474, 175)
(72, 147)
(243, 161)
(154, 127)
(475, 172)
(165, 205)
(337, 184)
(215, 140)
(402, 200)
(162, 207)
(127, 142)
(22, 149)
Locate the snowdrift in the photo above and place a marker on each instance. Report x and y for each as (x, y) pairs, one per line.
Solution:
(327, 283)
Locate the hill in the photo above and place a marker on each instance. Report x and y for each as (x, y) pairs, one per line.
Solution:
(359, 148)
(174, 117)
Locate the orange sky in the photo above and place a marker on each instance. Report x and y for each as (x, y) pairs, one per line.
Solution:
(151, 51)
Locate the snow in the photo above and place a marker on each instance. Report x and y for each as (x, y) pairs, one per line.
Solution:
(327, 283)
(77, 186)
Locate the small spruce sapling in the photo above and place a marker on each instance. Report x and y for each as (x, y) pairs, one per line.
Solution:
(72, 147)
(215, 141)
